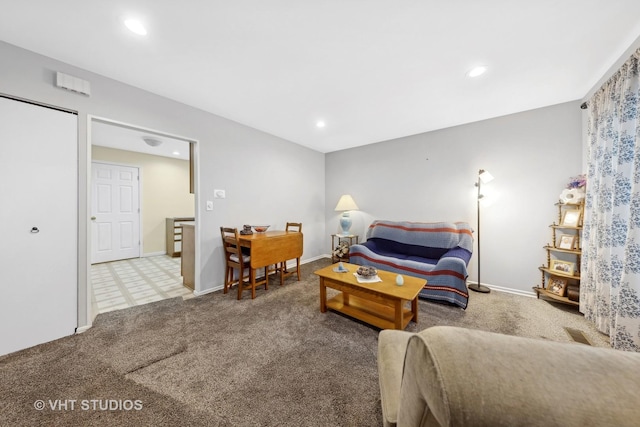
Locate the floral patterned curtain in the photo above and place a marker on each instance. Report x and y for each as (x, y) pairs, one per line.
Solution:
(610, 286)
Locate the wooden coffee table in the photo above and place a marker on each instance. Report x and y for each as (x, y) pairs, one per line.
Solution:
(381, 304)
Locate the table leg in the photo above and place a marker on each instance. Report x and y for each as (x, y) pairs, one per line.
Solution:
(414, 309)
(323, 296)
(345, 298)
(398, 310)
(283, 266)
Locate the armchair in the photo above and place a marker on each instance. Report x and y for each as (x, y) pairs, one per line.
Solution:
(435, 378)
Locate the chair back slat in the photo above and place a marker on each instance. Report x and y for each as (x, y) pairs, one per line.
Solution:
(231, 246)
(294, 226)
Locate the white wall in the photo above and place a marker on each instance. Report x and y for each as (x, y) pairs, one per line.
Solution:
(164, 191)
(270, 180)
(267, 179)
(431, 176)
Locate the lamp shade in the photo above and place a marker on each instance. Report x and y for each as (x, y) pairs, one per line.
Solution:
(346, 203)
(485, 176)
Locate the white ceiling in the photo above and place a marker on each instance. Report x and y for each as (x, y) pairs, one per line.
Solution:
(124, 138)
(373, 70)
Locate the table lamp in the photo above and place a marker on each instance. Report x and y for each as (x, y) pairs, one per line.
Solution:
(346, 204)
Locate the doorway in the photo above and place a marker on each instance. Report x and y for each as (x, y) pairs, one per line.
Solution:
(156, 155)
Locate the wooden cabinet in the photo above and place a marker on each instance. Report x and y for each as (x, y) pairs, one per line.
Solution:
(174, 234)
(561, 274)
(347, 240)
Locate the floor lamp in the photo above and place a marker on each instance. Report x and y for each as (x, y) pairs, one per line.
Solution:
(483, 178)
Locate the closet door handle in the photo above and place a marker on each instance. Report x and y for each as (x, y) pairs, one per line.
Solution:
(34, 230)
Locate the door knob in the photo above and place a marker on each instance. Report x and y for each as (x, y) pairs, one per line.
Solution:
(35, 230)
(93, 218)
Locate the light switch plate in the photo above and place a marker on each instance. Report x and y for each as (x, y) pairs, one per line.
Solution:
(209, 205)
(219, 194)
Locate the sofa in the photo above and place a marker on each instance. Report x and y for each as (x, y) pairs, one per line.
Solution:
(449, 376)
(437, 251)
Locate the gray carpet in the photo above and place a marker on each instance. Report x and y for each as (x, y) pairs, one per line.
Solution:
(216, 361)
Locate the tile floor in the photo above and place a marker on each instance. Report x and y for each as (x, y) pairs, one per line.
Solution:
(136, 281)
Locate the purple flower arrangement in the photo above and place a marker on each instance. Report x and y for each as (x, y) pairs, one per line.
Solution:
(579, 181)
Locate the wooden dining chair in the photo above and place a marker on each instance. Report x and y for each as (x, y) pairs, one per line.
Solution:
(235, 259)
(284, 272)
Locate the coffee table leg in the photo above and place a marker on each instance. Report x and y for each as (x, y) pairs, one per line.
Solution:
(398, 310)
(323, 296)
(414, 309)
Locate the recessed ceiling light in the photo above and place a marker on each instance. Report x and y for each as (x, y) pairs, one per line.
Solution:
(136, 26)
(477, 71)
(176, 153)
(320, 124)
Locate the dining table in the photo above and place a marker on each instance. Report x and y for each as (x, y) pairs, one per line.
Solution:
(272, 247)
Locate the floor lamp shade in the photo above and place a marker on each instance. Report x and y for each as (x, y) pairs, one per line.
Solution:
(346, 204)
(484, 177)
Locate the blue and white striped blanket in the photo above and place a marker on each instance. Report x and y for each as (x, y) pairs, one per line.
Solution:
(438, 252)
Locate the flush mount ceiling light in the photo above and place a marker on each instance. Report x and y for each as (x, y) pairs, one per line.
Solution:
(176, 153)
(477, 71)
(320, 124)
(153, 142)
(136, 27)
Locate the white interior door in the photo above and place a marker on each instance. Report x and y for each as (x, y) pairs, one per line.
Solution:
(39, 217)
(115, 212)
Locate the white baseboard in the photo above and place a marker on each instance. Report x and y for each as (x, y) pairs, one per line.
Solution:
(308, 260)
(148, 254)
(208, 291)
(84, 328)
(520, 292)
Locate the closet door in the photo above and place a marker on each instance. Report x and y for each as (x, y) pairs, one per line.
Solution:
(38, 216)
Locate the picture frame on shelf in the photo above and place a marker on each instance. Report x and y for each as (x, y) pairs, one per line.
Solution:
(571, 218)
(564, 267)
(557, 286)
(567, 241)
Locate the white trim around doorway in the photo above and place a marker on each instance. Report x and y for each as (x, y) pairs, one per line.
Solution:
(84, 259)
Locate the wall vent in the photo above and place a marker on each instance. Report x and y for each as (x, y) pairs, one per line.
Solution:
(73, 84)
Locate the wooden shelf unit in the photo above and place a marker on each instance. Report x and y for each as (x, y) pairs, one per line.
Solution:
(559, 274)
(174, 234)
(556, 253)
(551, 295)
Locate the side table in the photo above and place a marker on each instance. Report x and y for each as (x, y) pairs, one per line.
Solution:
(349, 238)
